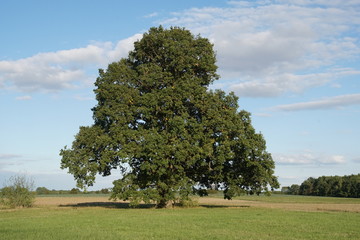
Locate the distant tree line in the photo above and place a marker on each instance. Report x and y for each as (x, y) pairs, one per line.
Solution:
(330, 186)
(45, 191)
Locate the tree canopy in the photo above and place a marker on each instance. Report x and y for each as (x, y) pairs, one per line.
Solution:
(331, 186)
(170, 136)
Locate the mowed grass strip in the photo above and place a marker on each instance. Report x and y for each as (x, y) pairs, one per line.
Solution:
(192, 223)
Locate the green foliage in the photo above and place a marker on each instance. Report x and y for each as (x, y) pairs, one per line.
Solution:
(159, 124)
(42, 191)
(333, 186)
(18, 192)
(105, 191)
(292, 190)
(74, 191)
(212, 192)
(188, 203)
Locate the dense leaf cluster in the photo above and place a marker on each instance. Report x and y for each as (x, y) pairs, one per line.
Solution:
(157, 122)
(332, 186)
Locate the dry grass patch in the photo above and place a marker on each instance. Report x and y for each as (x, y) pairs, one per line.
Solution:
(103, 201)
(61, 201)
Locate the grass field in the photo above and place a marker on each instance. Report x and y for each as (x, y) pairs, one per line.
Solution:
(276, 217)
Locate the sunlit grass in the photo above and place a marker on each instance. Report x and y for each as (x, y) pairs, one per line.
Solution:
(180, 223)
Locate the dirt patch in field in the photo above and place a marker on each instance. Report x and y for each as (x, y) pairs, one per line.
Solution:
(205, 202)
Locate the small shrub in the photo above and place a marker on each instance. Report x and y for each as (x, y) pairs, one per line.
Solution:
(18, 193)
(74, 191)
(212, 191)
(42, 191)
(105, 191)
(188, 203)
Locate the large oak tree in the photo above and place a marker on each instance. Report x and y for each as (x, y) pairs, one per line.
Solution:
(170, 136)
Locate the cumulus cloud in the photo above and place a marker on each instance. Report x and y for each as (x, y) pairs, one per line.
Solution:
(326, 103)
(272, 86)
(276, 47)
(308, 158)
(65, 69)
(264, 48)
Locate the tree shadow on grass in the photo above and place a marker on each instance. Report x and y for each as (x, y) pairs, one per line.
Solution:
(125, 205)
(223, 206)
(107, 205)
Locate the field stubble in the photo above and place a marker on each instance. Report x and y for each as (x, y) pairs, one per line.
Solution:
(287, 203)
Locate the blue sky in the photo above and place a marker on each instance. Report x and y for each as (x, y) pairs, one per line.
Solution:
(293, 63)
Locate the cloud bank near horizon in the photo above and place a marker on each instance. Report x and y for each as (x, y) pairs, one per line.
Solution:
(326, 103)
(308, 158)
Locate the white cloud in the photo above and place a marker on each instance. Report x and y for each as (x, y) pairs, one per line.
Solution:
(268, 47)
(7, 160)
(65, 69)
(276, 47)
(351, 3)
(308, 158)
(326, 103)
(276, 85)
(6, 156)
(151, 15)
(24, 98)
(122, 48)
(336, 159)
(304, 158)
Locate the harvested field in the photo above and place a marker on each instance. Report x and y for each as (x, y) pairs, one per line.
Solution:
(81, 201)
(286, 206)
(63, 201)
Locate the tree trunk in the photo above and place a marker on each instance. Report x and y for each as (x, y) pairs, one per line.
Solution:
(164, 204)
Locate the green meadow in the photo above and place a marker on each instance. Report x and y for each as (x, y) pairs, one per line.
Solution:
(111, 221)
